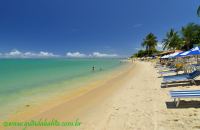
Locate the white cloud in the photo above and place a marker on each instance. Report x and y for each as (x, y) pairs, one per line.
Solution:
(159, 46)
(46, 54)
(94, 54)
(139, 49)
(75, 54)
(137, 25)
(30, 54)
(13, 53)
(98, 54)
(18, 54)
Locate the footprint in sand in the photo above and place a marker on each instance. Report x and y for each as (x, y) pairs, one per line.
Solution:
(196, 127)
(116, 108)
(175, 120)
(28, 105)
(190, 115)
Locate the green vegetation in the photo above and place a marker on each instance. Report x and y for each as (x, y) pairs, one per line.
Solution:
(190, 35)
(150, 43)
(185, 39)
(172, 41)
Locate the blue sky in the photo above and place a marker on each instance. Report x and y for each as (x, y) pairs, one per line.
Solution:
(89, 26)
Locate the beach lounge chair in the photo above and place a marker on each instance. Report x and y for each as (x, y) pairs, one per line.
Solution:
(184, 94)
(181, 78)
(168, 72)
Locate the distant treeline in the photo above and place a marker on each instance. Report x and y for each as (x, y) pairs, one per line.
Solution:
(184, 39)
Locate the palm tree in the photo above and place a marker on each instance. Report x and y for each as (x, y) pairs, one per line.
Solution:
(150, 43)
(172, 41)
(189, 34)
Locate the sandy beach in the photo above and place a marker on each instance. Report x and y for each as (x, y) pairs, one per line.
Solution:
(131, 100)
(99, 65)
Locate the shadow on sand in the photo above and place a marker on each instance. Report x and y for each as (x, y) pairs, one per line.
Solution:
(183, 104)
(183, 84)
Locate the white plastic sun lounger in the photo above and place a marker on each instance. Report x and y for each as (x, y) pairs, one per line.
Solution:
(184, 94)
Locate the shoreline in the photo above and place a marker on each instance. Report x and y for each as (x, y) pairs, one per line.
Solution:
(77, 101)
(41, 80)
(70, 94)
(132, 99)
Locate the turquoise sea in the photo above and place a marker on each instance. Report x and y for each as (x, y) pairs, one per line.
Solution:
(28, 81)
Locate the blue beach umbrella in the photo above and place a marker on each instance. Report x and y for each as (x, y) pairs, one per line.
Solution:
(173, 55)
(179, 55)
(165, 57)
(193, 51)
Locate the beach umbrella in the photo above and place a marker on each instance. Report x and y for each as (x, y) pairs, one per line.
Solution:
(193, 51)
(165, 57)
(173, 55)
(179, 55)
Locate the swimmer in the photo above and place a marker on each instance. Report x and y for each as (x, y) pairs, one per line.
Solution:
(93, 68)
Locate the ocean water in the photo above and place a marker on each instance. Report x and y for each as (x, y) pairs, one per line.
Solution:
(27, 81)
